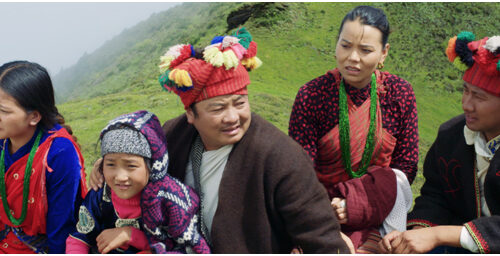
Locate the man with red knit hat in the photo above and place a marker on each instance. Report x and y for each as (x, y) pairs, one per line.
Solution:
(459, 206)
(257, 187)
(258, 190)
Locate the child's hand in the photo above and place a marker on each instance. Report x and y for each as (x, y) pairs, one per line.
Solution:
(96, 179)
(113, 238)
(338, 205)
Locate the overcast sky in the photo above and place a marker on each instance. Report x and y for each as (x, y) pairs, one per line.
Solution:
(57, 34)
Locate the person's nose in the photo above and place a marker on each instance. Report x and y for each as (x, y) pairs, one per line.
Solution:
(231, 115)
(467, 104)
(354, 56)
(121, 175)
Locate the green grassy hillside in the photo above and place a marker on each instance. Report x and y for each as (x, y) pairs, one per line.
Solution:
(296, 42)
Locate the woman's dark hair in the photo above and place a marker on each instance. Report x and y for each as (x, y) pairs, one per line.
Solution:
(370, 16)
(30, 85)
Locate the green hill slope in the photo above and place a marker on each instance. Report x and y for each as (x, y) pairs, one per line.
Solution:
(296, 43)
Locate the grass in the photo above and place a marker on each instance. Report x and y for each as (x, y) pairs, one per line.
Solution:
(296, 46)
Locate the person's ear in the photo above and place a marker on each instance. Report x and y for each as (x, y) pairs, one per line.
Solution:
(190, 115)
(385, 51)
(34, 117)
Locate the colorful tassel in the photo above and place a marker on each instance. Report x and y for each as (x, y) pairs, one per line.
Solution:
(487, 61)
(165, 62)
(217, 39)
(175, 55)
(181, 78)
(238, 50)
(244, 36)
(493, 45)
(251, 50)
(213, 56)
(251, 63)
(229, 41)
(464, 52)
(230, 59)
(450, 50)
(459, 64)
(185, 52)
(466, 36)
(165, 82)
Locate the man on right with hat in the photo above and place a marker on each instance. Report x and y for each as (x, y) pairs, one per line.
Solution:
(459, 205)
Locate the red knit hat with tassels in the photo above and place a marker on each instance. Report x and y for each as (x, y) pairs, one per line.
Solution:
(222, 71)
(479, 59)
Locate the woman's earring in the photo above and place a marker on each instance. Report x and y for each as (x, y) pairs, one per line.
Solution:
(380, 65)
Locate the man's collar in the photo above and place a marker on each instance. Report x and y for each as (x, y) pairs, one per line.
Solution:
(477, 138)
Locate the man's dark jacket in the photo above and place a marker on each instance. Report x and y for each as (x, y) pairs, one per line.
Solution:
(269, 197)
(450, 194)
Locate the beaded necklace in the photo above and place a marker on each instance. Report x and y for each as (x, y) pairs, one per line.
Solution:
(26, 183)
(344, 128)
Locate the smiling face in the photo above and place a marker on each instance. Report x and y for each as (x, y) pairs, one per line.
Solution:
(358, 51)
(221, 120)
(481, 111)
(125, 174)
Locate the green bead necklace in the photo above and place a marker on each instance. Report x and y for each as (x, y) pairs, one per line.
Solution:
(344, 129)
(26, 183)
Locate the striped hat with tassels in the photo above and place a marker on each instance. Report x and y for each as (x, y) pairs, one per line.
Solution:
(221, 70)
(479, 59)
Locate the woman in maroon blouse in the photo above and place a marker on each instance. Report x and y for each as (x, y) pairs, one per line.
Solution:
(359, 126)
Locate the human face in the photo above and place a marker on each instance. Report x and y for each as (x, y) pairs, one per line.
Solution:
(482, 111)
(15, 122)
(221, 120)
(125, 174)
(358, 51)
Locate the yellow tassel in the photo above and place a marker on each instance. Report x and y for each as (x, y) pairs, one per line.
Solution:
(165, 63)
(251, 63)
(459, 64)
(213, 56)
(180, 77)
(230, 59)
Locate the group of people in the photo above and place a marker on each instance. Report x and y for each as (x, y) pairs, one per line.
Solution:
(221, 179)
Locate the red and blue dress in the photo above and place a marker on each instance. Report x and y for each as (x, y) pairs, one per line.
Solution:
(57, 186)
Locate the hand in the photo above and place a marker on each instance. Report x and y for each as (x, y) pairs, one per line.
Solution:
(113, 238)
(349, 243)
(411, 241)
(339, 206)
(96, 179)
(385, 244)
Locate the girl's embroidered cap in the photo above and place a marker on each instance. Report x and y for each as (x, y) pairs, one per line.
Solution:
(221, 69)
(479, 59)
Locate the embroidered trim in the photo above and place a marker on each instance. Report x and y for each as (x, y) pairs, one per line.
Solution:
(127, 223)
(106, 195)
(476, 188)
(420, 222)
(85, 221)
(480, 242)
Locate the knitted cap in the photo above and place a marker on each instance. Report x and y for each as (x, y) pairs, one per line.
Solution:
(222, 71)
(479, 59)
(125, 140)
(144, 125)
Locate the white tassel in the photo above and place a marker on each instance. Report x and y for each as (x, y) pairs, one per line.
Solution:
(229, 41)
(493, 44)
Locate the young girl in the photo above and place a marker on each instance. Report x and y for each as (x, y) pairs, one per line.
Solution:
(139, 200)
(41, 169)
